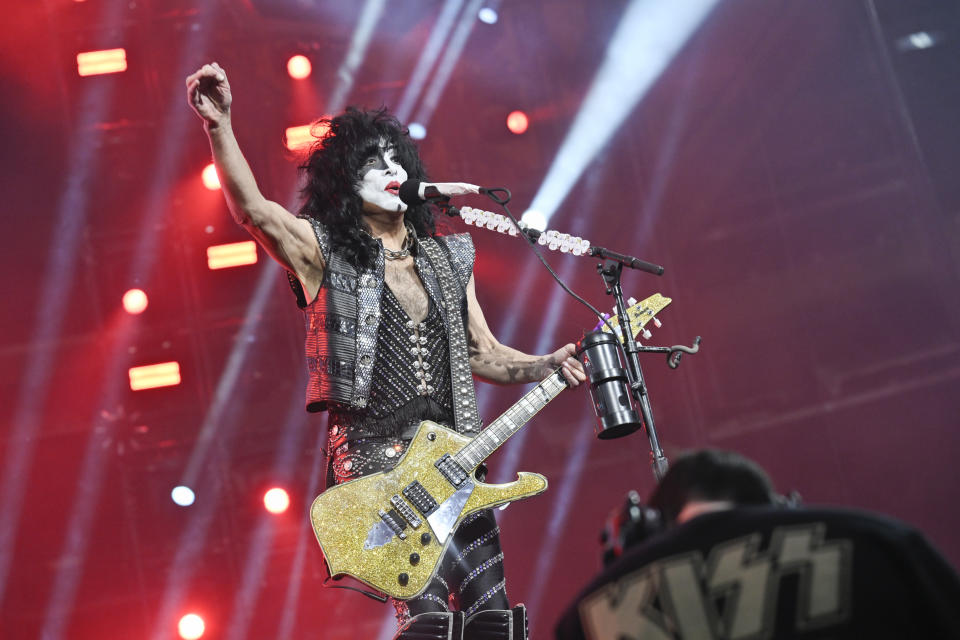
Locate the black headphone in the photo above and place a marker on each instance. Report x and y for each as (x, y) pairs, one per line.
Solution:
(634, 522)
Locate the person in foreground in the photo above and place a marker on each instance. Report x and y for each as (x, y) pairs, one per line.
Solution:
(394, 331)
(732, 561)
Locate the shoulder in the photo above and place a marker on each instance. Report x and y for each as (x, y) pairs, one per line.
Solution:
(457, 242)
(460, 247)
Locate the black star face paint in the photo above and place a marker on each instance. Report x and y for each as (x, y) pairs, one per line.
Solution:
(379, 181)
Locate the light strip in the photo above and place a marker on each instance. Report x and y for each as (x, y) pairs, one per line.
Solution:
(153, 376)
(235, 254)
(302, 136)
(94, 63)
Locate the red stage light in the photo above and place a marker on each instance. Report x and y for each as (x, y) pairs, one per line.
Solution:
(517, 122)
(191, 627)
(299, 67)
(276, 500)
(92, 63)
(235, 254)
(134, 301)
(210, 178)
(152, 376)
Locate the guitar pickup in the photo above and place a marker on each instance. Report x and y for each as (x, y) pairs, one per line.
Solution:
(393, 520)
(452, 471)
(421, 499)
(404, 509)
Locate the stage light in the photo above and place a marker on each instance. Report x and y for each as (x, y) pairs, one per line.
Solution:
(210, 178)
(92, 63)
(298, 137)
(488, 15)
(191, 627)
(235, 254)
(302, 136)
(534, 219)
(183, 496)
(135, 301)
(276, 500)
(417, 131)
(517, 122)
(152, 376)
(921, 40)
(299, 67)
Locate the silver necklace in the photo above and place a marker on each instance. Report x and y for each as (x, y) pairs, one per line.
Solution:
(390, 254)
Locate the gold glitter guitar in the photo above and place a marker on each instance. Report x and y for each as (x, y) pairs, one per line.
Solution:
(390, 529)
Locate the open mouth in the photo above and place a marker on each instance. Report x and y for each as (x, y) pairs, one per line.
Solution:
(393, 187)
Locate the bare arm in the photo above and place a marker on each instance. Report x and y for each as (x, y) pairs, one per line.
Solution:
(501, 364)
(288, 239)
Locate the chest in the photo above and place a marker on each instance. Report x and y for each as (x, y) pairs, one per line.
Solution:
(407, 287)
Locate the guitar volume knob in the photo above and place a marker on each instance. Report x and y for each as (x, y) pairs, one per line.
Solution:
(414, 559)
(425, 539)
(403, 579)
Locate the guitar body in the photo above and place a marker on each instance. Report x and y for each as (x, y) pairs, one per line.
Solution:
(345, 517)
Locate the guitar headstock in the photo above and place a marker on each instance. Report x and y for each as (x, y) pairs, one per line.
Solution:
(640, 314)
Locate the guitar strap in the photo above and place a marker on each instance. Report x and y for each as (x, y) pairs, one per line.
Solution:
(461, 377)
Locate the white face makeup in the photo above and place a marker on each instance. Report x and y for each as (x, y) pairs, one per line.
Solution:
(379, 184)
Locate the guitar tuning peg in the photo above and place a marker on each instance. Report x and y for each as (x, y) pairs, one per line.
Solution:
(646, 334)
(631, 301)
(657, 323)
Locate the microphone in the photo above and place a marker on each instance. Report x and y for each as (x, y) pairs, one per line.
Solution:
(414, 192)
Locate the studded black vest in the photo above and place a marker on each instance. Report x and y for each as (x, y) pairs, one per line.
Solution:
(411, 377)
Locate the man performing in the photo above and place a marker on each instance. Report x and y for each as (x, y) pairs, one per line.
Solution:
(393, 326)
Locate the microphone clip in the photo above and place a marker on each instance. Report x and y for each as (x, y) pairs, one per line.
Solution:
(432, 195)
(442, 201)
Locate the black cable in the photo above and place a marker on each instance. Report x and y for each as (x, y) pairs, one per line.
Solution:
(490, 193)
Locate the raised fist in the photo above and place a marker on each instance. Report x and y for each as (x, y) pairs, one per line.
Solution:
(208, 93)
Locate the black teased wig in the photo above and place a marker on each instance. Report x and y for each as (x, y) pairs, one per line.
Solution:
(331, 176)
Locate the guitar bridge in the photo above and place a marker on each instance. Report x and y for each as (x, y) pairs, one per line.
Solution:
(393, 520)
(452, 471)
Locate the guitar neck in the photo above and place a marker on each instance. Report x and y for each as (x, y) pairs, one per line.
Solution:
(511, 421)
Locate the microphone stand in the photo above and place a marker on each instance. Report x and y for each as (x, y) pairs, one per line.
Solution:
(610, 271)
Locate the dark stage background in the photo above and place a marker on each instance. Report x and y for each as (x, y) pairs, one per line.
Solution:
(793, 168)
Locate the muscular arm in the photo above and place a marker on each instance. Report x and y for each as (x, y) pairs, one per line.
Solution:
(288, 239)
(500, 364)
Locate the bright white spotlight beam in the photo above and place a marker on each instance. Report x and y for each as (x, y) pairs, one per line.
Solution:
(428, 57)
(649, 35)
(356, 52)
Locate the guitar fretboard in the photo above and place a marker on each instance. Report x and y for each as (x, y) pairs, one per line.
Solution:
(477, 450)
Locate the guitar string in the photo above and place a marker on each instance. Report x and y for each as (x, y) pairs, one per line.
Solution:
(504, 427)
